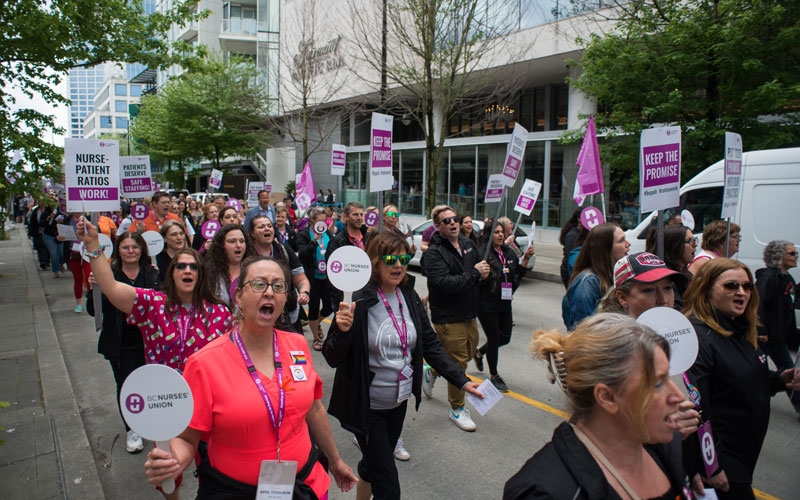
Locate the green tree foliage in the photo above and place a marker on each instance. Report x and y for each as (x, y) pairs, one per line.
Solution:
(41, 41)
(214, 110)
(706, 65)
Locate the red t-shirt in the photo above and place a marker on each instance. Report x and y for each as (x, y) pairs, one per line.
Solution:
(231, 414)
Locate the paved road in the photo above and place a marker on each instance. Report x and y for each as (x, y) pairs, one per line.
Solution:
(446, 462)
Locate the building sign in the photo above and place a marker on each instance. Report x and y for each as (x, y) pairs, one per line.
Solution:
(311, 61)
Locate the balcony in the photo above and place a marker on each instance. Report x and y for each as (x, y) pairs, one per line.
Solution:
(239, 35)
(187, 32)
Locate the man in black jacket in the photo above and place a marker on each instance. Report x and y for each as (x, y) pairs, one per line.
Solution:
(453, 268)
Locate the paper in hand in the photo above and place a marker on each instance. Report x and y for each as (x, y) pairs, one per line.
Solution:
(491, 396)
(67, 232)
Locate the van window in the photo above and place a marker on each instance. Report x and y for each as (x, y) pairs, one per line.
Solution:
(705, 204)
(769, 202)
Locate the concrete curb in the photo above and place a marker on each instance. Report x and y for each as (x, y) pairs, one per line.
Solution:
(79, 476)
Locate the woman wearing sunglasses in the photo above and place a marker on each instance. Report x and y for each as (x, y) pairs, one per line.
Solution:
(256, 402)
(494, 312)
(391, 222)
(175, 322)
(376, 345)
(731, 374)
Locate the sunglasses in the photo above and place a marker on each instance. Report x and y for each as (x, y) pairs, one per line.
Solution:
(260, 286)
(393, 215)
(448, 220)
(691, 241)
(793, 254)
(180, 266)
(733, 286)
(391, 260)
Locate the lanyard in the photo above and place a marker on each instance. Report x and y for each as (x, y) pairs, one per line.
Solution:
(282, 237)
(276, 356)
(402, 332)
(503, 261)
(184, 323)
(358, 242)
(159, 223)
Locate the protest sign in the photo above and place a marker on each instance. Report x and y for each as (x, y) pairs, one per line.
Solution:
(91, 174)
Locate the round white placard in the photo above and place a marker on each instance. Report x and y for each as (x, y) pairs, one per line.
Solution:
(687, 219)
(156, 402)
(155, 243)
(679, 332)
(349, 268)
(105, 242)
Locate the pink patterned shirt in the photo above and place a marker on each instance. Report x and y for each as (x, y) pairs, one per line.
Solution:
(170, 337)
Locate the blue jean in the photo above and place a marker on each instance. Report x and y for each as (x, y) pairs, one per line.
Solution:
(56, 250)
(779, 354)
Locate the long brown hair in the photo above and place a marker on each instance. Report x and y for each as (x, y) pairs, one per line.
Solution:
(201, 290)
(595, 255)
(697, 299)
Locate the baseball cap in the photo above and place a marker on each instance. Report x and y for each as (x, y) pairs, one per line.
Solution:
(644, 267)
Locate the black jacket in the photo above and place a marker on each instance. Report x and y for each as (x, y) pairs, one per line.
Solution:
(776, 292)
(735, 385)
(307, 250)
(348, 353)
(452, 279)
(565, 470)
(116, 333)
(490, 288)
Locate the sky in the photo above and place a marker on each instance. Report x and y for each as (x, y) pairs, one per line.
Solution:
(61, 112)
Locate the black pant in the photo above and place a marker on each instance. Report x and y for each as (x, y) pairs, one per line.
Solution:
(497, 327)
(131, 360)
(41, 251)
(377, 465)
(320, 292)
(737, 491)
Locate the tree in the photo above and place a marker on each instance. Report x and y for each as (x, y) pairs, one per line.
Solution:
(314, 77)
(441, 52)
(706, 65)
(42, 40)
(213, 110)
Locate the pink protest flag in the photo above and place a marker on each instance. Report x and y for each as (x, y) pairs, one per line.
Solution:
(590, 173)
(306, 193)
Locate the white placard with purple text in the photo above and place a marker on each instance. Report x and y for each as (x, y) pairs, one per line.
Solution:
(91, 175)
(528, 196)
(338, 156)
(494, 189)
(137, 181)
(252, 192)
(215, 181)
(733, 174)
(516, 150)
(660, 168)
(380, 153)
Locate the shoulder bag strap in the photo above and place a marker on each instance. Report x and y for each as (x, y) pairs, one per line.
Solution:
(596, 453)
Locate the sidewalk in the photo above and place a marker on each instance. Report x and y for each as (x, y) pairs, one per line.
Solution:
(46, 454)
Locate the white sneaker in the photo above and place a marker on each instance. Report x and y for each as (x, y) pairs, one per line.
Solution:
(427, 381)
(134, 443)
(400, 451)
(461, 418)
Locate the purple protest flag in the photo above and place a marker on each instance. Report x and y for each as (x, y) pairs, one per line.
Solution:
(590, 172)
(306, 193)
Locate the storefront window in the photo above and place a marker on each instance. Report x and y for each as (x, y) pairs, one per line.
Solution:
(462, 179)
(412, 182)
(560, 202)
(354, 183)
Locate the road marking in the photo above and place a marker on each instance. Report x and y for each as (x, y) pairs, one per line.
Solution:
(560, 413)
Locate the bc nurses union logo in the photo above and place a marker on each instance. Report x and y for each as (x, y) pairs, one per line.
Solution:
(336, 266)
(134, 403)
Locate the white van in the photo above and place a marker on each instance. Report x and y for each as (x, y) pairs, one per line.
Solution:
(769, 195)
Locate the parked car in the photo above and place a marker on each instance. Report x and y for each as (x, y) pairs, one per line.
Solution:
(203, 198)
(477, 226)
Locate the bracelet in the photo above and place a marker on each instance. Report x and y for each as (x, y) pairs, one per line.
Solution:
(96, 254)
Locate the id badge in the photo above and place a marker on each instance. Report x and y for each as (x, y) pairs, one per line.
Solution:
(322, 266)
(506, 290)
(276, 480)
(404, 382)
(708, 449)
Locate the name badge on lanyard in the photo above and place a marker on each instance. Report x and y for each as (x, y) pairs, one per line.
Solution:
(276, 480)
(506, 290)
(404, 382)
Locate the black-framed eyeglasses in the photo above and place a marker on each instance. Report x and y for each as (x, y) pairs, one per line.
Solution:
(180, 266)
(393, 215)
(733, 286)
(391, 260)
(260, 286)
(691, 241)
(448, 220)
(793, 253)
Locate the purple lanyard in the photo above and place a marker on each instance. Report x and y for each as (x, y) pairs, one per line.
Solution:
(402, 332)
(282, 237)
(184, 323)
(276, 356)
